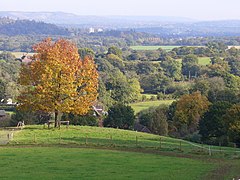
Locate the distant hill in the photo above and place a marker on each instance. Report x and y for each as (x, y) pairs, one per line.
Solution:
(29, 27)
(105, 21)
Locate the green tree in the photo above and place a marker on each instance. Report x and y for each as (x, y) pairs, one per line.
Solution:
(212, 126)
(172, 68)
(155, 119)
(190, 65)
(2, 90)
(116, 51)
(232, 118)
(83, 52)
(120, 116)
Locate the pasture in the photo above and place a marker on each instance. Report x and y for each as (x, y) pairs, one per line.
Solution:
(139, 106)
(142, 48)
(105, 153)
(204, 61)
(84, 163)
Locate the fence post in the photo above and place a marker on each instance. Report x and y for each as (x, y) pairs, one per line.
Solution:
(136, 141)
(180, 145)
(202, 146)
(209, 151)
(220, 147)
(34, 138)
(86, 140)
(160, 143)
(111, 139)
(235, 147)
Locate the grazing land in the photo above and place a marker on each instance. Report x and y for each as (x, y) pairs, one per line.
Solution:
(104, 153)
(142, 48)
(139, 106)
(204, 61)
(77, 163)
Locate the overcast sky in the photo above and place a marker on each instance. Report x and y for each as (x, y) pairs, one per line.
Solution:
(196, 9)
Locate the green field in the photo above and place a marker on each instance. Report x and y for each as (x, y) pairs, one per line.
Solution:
(81, 163)
(139, 106)
(105, 153)
(204, 61)
(142, 48)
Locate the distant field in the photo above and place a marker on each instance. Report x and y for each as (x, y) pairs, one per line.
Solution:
(201, 60)
(19, 54)
(204, 60)
(238, 47)
(141, 48)
(145, 105)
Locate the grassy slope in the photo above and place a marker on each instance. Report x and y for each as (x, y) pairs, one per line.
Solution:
(139, 106)
(77, 163)
(107, 137)
(55, 159)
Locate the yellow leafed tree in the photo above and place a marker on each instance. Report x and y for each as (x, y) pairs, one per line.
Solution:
(57, 80)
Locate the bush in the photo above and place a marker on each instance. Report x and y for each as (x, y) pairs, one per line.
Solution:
(29, 117)
(120, 116)
(5, 121)
(155, 119)
(84, 120)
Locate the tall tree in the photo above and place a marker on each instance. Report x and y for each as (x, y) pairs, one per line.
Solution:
(189, 110)
(58, 81)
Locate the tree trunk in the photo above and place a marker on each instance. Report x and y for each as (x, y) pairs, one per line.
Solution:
(56, 118)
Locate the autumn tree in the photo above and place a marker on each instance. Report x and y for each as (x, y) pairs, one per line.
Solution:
(189, 109)
(58, 81)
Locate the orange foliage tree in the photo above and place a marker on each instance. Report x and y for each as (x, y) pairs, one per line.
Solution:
(57, 80)
(189, 109)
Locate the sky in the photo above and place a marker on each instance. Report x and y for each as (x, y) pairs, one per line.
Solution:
(194, 9)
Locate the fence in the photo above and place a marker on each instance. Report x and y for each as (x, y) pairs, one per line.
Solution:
(115, 141)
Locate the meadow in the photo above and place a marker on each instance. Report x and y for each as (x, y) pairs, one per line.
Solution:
(105, 153)
(142, 48)
(204, 61)
(84, 163)
(139, 106)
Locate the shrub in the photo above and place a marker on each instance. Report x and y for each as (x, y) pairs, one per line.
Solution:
(120, 116)
(84, 120)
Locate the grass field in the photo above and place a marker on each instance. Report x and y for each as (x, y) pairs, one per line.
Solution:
(204, 60)
(141, 48)
(109, 137)
(81, 163)
(106, 153)
(201, 60)
(139, 106)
